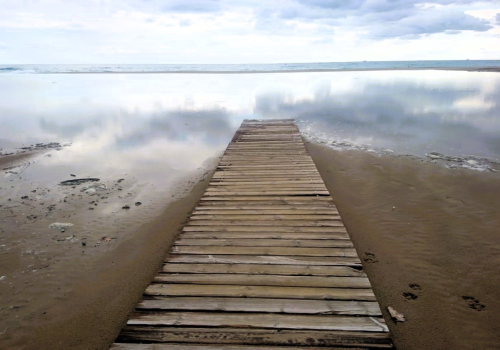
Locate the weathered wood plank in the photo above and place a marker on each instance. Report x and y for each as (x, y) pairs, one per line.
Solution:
(275, 217)
(273, 251)
(256, 269)
(286, 306)
(276, 321)
(313, 189)
(266, 158)
(265, 260)
(283, 199)
(261, 223)
(267, 193)
(340, 243)
(226, 185)
(257, 338)
(257, 206)
(265, 280)
(273, 292)
(266, 235)
(273, 211)
(266, 181)
(266, 229)
(125, 346)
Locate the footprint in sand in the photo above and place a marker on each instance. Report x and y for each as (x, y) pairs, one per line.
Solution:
(370, 258)
(473, 303)
(409, 296)
(414, 286)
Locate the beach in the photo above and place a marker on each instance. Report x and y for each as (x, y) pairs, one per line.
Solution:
(63, 295)
(427, 236)
(409, 157)
(429, 232)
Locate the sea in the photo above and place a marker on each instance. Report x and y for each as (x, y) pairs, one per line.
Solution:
(245, 68)
(168, 119)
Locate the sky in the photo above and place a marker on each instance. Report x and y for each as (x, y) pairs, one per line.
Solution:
(246, 31)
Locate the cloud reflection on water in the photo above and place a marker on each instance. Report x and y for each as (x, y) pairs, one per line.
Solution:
(121, 122)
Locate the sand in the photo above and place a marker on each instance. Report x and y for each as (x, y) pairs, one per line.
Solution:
(62, 295)
(418, 227)
(426, 230)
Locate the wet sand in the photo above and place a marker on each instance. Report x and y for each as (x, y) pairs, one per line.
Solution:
(420, 229)
(428, 231)
(63, 295)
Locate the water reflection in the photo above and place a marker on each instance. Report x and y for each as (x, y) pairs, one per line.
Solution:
(122, 122)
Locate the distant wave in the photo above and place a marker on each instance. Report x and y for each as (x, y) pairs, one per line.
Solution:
(482, 65)
(9, 69)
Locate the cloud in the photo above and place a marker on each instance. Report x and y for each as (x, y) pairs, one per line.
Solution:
(192, 6)
(498, 18)
(249, 31)
(429, 22)
(381, 19)
(404, 115)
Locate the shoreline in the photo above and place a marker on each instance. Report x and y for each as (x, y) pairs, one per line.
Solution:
(462, 69)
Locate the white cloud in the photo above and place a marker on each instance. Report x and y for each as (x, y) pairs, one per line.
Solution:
(223, 31)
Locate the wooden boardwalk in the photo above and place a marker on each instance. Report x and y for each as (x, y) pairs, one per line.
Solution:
(263, 263)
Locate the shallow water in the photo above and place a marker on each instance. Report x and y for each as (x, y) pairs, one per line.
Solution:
(122, 121)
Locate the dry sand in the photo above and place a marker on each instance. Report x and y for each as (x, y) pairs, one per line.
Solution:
(441, 243)
(419, 227)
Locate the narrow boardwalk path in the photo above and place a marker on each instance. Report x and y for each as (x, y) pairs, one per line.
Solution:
(264, 261)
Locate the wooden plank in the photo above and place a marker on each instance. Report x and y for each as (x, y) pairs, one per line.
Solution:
(260, 181)
(125, 346)
(340, 243)
(267, 193)
(258, 320)
(278, 144)
(264, 205)
(269, 153)
(256, 269)
(287, 167)
(274, 251)
(209, 211)
(283, 199)
(214, 206)
(290, 187)
(276, 217)
(264, 260)
(281, 223)
(214, 290)
(265, 280)
(266, 229)
(279, 172)
(286, 306)
(265, 164)
(266, 158)
(266, 235)
(257, 338)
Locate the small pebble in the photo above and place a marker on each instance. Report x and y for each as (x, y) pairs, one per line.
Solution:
(126, 207)
(137, 204)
